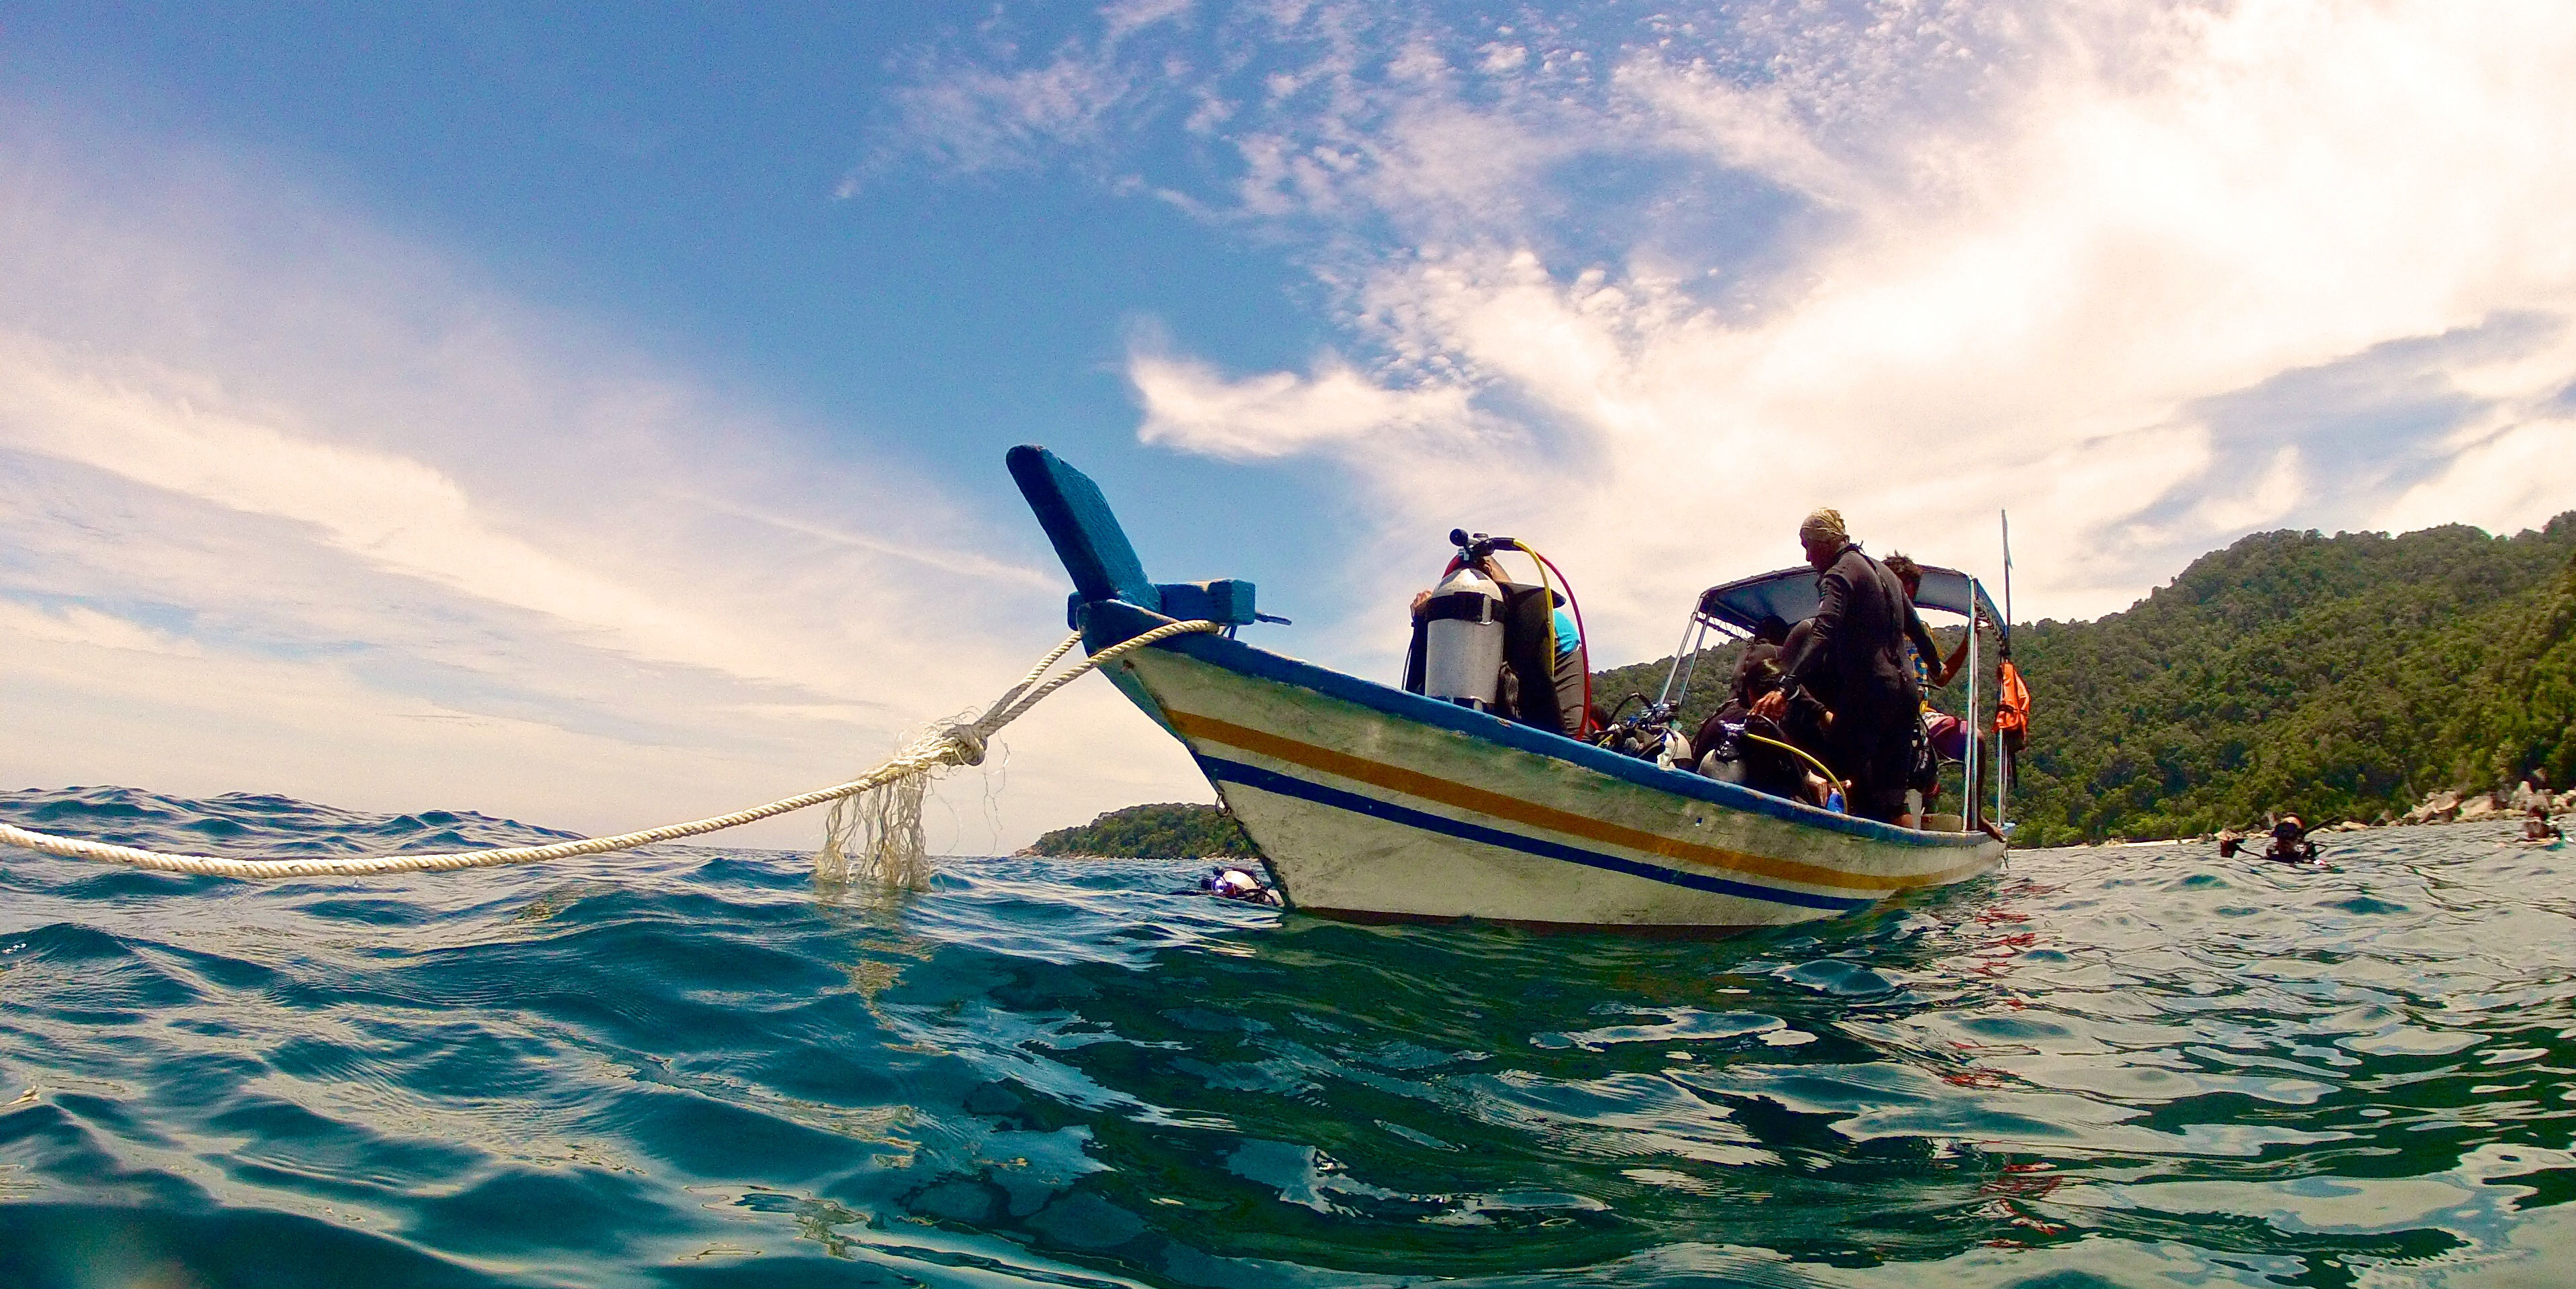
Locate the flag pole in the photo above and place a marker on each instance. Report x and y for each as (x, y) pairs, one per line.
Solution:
(2007, 518)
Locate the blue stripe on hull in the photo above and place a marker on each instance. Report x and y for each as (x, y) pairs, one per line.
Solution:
(1106, 622)
(1253, 776)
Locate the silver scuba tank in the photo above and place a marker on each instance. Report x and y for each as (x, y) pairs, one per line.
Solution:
(1462, 647)
(1725, 762)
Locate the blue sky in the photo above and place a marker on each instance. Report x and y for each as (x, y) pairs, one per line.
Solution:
(673, 172)
(596, 414)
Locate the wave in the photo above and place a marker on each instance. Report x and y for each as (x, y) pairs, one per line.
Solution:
(695, 1065)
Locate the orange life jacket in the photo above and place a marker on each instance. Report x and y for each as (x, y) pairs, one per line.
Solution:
(2012, 706)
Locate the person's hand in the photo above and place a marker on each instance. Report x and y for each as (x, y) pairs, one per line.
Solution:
(1420, 598)
(1771, 706)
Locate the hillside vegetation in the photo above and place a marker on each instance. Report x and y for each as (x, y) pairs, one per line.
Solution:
(1706, 692)
(2341, 677)
(1172, 830)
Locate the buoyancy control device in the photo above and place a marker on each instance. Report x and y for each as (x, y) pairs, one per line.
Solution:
(1648, 735)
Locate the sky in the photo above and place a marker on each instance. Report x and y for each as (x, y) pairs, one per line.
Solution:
(595, 415)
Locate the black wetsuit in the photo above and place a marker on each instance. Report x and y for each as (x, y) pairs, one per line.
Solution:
(1855, 652)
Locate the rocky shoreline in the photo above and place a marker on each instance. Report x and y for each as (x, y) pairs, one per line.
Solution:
(2444, 807)
(2451, 807)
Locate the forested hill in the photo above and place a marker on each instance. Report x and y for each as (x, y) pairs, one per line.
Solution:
(2339, 677)
(1169, 831)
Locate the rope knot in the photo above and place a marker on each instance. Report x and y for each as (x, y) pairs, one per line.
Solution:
(968, 742)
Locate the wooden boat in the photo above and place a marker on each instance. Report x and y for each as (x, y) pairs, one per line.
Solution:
(1370, 803)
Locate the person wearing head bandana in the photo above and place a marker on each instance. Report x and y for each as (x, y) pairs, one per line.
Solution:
(1853, 655)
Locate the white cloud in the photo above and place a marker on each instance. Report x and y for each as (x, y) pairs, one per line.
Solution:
(1192, 406)
(1132, 15)
(402, 516)
(296, 507)
(974, 118)
(1744, 127)
(2070, 260)
(2520, 476)
(75, 624)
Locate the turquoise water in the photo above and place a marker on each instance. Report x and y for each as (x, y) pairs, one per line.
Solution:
(2137, 1066)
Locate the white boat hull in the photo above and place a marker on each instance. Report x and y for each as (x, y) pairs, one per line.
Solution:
(1371, 803)
(1384, 806)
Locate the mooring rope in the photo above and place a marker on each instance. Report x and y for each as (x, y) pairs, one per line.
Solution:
(955, 744)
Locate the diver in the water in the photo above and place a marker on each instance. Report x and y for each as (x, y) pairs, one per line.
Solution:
(1236, 884)
(2536, 826)
(2290, 844)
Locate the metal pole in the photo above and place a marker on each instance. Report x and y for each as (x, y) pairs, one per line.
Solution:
(2007, 518)
(1681, 652)
(1698, 641)
(2003, 770)
(1968, 789)
(2003, 758)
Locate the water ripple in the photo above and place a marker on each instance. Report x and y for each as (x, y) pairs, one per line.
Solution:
(693, 1066)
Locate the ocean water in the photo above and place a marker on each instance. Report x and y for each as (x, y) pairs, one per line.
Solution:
(2130, 1066)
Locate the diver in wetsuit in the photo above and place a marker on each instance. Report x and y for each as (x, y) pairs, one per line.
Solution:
(1236, 884)
(1759, 761)
(1855, 650)
(1945, 737)
(2290, 844)
(2536, 826)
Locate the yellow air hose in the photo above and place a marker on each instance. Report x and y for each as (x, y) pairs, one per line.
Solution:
(1582, 638)
(1801, 754)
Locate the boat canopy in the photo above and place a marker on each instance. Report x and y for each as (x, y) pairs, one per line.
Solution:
(1790, 595)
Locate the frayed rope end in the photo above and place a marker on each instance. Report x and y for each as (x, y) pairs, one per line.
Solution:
(875, 838)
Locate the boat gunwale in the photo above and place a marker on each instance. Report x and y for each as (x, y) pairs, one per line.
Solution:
(1110, 622)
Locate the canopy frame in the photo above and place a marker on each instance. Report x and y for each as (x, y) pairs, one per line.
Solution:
(1791, 594)
(1738, 610)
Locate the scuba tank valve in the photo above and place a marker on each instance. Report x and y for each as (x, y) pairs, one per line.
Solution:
(1476, 547)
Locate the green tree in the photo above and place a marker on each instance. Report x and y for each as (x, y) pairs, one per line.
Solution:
(1171, 830)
